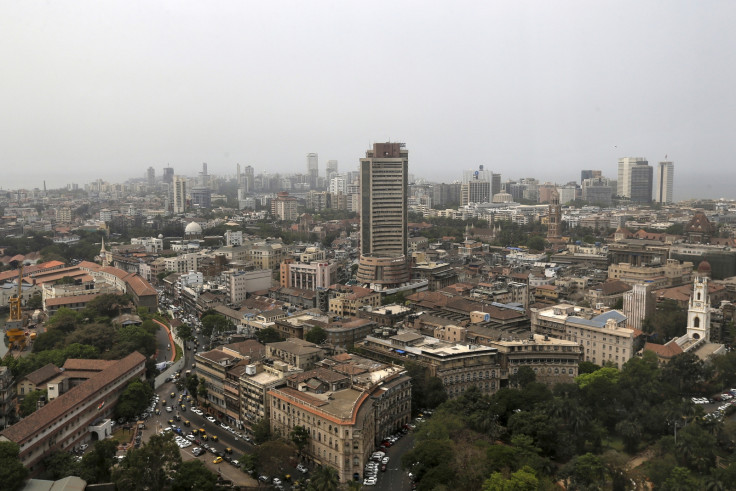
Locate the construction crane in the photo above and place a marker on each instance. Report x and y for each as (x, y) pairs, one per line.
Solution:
(14, 325)
(14, 302)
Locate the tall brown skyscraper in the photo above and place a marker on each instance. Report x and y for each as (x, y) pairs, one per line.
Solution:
(383, 215)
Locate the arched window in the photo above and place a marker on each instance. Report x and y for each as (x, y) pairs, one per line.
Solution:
(696, 322)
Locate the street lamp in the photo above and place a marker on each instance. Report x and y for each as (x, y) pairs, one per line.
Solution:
(676, 423)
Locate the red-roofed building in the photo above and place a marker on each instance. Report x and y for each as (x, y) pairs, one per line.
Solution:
(68, 420)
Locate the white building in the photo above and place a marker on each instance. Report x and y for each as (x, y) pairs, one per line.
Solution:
(665, 179)
(152, 244)
(241, 283)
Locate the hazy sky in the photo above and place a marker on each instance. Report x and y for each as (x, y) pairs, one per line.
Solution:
(542, 89)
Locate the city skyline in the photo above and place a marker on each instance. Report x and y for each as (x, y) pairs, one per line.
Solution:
(525, 89)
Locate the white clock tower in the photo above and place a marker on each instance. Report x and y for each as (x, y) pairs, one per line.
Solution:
(698, 312)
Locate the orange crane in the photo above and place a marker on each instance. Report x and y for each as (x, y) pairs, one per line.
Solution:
(14, 325)
(14, 302)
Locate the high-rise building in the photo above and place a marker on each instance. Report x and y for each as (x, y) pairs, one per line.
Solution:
(635, 179)
(168, 176)
(589, 174)
(179, 194)
(639, 303)
(331, 169)
(338, 184)
(151, 177)
(250, 177)
(204, 178)
(383, 215)
(201, 197)
(479, 186)
(665, 178)
(313, 168)
(598, 191)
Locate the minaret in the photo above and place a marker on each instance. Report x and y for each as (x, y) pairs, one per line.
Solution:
(698, 312)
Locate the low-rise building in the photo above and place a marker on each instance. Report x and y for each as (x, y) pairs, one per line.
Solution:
(69, 419)
(258, 379)
(386, 316)
(657, 275)
(296, 352)
(348, 300)
(37, 380)
(459, 366)
(347, 406)
(604, 337)
(7, 391)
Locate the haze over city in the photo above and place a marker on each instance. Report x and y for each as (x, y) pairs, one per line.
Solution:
(540, 89)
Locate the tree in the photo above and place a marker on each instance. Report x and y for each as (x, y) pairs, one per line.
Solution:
(192, 383)
(535, 243)
(95, 466)
(300, 436)
(134, 399)
(249, 463)
(684, 370)
(523, 377)
(30, 402)
(681, 480)
(202, 391)
(184, 331)
(193, 475)
(667, 322)
(525, 479)
(149, 467)
(107, 305)
(316, 335)
(262, 431)
(586, 471)
(132, 338)
(324, 478)
(101, 336)
(12, 471)
(35, 302)
(630, 431)
(268, 335)
(64, 319)
(215, 324)
(51, 339)
(58, 465)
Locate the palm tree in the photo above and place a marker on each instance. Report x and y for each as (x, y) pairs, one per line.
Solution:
(325, 478)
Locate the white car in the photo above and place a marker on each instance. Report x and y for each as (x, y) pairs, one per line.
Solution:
(384, 460)
(302, 469)
(371, 481)
(210, 419)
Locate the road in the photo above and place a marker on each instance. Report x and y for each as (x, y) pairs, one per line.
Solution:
(395, 478)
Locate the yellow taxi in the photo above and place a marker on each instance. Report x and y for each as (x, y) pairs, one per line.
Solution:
(217, 460)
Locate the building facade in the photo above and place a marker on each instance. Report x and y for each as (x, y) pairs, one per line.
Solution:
(665, 182)
(604, 337)
(68, 420)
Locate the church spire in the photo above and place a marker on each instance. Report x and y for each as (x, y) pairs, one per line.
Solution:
(103, 253)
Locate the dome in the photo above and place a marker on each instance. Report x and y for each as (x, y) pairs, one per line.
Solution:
(160, 236)
(193, 229)
(704, 267)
